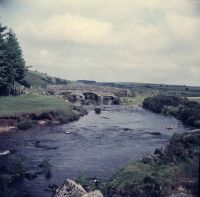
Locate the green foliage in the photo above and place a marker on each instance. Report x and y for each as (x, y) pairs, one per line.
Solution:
(197, 99)
(179, 161)
(87, 183)
(185, 110)
(54, 80)
(45, 168)
(13, 170)
(190, 113)
(137, 100)
(12, 64)
(157, 103)
(139, 179)
(14, 105)
(35, 79)
(183, 147)
(15, 165)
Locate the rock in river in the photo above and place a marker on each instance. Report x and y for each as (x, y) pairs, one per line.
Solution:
(97, 110)
(95, 193)
(6, 152)
(71, 189)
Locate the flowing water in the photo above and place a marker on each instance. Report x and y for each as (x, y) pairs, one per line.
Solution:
(96, 145)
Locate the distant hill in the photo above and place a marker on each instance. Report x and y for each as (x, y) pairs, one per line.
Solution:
(181, 90)
(37, 79)
(86, 81)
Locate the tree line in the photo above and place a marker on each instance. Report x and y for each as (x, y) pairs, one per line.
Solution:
(12, 64)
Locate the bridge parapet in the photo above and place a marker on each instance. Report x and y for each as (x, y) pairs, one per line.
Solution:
(81, 88)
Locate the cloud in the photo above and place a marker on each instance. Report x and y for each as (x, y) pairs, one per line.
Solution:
(115, 40)
(68, 27)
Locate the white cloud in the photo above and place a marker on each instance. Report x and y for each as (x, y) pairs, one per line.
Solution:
(115, 40)
(68, 27)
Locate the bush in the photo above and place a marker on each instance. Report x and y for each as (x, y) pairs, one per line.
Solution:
(16, 165)
(25, 83)
(45, 168)
(187, 111)
(179, 162)
(157, 103)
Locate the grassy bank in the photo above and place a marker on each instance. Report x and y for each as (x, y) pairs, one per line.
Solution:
(25, 111)
(170, 170)
(197, 99)
(137, 100)
(32, 104)
(182, 108)
(163, 173)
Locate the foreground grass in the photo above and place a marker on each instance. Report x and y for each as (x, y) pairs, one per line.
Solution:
(161, 174)
(32, 104)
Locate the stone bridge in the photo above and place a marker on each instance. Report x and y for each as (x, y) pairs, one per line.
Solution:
(92, 92)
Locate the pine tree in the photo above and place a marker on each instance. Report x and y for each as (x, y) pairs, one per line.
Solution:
(14, 55)
(12, 64)
(4, 77)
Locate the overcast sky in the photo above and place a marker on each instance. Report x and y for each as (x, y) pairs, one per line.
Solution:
(155, 41)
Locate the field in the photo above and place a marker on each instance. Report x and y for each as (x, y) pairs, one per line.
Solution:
(36, 79)
(32, 103)
(148, 89)
(137, 100)
(194, 99)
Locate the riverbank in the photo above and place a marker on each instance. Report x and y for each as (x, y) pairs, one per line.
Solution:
(132, 101)
(172, 171)
(180, 107)
(25, 111)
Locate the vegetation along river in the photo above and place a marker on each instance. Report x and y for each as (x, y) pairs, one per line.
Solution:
(96, 145)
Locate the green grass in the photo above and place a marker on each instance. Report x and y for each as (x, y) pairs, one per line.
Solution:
(131, 180)
(194, 99)
(178, 162)
(138, 100)
(32, 103)
(35, 79)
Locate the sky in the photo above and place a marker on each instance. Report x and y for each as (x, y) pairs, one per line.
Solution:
(150, 41)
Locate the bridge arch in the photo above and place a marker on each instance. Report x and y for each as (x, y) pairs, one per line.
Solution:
(91, 96)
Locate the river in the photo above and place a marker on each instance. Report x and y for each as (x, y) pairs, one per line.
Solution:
(96, 145)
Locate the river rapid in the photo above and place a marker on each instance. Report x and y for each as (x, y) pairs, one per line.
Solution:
(96, 145)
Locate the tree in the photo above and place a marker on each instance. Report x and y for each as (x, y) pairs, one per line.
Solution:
(4, 77)
(14, 55)
(12, 64)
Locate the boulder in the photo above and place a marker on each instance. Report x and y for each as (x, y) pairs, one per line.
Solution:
(30, 175)
(47, 116)
(70, 189)
(95, 193)
(5, 152)
(43, 122)
(97, 110)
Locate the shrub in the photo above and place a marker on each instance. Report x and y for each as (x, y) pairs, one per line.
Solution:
(45, 168)
(179, 162)
(187, 111)
(16, 165)
(25, 83)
